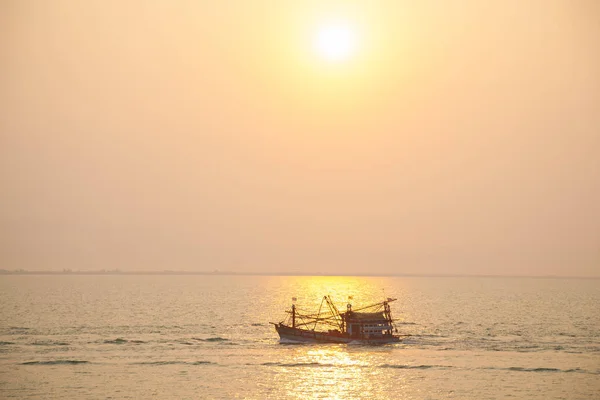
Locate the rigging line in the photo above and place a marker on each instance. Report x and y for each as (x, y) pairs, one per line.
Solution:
(318, 313)
(323, 323)
(335, 312)
(319, 319)
(374, 305)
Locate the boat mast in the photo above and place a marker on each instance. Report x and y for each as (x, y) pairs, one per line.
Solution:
(294, 312)
(335, 312)
(388, 316)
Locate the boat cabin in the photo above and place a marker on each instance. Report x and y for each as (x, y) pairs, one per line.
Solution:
(368, 325)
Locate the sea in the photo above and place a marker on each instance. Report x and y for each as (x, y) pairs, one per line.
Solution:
(210, 337)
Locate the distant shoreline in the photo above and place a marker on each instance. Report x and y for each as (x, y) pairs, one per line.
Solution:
(231, 273)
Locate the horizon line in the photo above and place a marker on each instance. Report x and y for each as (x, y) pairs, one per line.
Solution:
(254, 273)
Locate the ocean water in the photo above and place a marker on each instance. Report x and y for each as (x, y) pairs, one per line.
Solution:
(203, 337)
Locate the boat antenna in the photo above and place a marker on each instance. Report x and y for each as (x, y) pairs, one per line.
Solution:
(293, 312)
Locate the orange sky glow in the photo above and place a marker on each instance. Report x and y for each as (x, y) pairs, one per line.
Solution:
(445, 137)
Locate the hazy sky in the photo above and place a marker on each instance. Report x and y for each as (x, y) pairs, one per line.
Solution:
(459, 137)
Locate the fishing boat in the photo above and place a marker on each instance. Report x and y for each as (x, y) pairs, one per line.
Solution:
(372, 324)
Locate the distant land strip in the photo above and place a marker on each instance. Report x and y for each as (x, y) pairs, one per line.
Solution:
(235, 273)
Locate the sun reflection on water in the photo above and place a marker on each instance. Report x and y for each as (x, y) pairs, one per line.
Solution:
(335, 371)
(311, 288)
(332, 372)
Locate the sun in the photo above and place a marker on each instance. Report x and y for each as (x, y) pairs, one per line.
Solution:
(335, 42)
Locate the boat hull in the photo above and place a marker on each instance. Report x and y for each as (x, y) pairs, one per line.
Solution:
(289, 334)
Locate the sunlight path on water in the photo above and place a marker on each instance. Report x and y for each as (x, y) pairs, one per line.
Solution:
(180, 337)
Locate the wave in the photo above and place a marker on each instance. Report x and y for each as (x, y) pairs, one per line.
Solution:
(159, 363)
(406, 366)
(19, 328)
(513, 369)
(318, 364)
(576, 370)
(292, 342)
(535, 369)
(123, 341)
(56, 362)
(216, 339)
(543, 369)
(212, 339)
(299, 364)
(186, 342)
(49, 343)
(173, 363)
(426, 335)
(116, 341)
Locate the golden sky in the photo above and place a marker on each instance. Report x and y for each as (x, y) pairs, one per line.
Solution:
(453, 137)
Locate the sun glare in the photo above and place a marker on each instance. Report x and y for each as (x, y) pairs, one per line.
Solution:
(335, 42)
